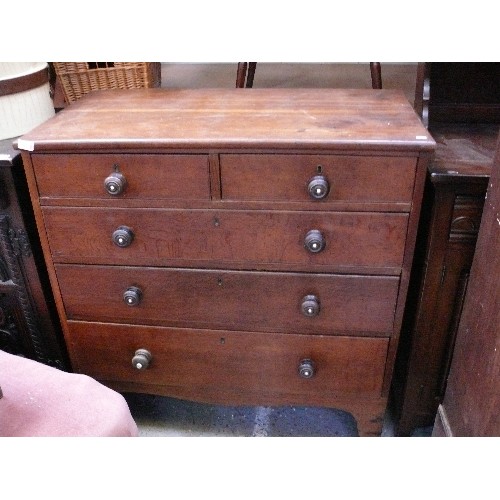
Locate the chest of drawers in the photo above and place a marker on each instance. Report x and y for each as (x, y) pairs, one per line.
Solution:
(232, 246)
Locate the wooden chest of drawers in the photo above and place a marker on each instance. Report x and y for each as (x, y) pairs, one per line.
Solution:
(232, 246)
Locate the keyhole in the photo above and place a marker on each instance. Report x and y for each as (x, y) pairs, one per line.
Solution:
(319, 169)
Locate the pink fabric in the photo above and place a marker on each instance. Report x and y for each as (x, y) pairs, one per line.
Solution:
(39, 400)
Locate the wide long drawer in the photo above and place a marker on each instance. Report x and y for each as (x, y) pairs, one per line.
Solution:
(201, 364)
(361, 179)
(260, 301)
(353, 242)
(144, 176)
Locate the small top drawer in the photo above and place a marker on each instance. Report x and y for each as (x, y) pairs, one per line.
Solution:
(147, 176)
(318, 178)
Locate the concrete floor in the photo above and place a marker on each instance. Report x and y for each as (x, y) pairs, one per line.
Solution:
(160, 416)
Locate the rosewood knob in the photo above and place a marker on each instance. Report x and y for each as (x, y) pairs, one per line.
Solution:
(306, 368)
(142, 359)
(115, 183)
(123, 236)
(318, 187)
(314, 241)
(310, 306)
(132, 296)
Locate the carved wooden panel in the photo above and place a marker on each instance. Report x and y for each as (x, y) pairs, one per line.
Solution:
(466, 218)
(27, 327)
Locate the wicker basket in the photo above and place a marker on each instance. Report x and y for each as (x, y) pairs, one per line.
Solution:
(80, 78)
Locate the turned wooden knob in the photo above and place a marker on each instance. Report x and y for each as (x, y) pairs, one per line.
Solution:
(132, 296)
(310, 306)
(142, 359)
(123, 236)
(314, 241)
(306, 368)
(318, 187)
(115, 183)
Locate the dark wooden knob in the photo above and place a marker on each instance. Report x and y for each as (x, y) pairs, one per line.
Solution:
(318, 187)
(306, 368)
(142, 359)
(132, 296)
(123, 236)
(310, 306)
(314, 241)
(115, 183)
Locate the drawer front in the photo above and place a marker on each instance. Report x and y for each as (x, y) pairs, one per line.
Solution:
(256, 301)
(232, 362)
(205, 238)
(286, 178)
(146, 176)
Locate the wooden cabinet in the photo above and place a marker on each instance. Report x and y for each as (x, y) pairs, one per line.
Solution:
(470, 404)
(233, 247)
(28, 322)
(450, 221)
(463, 119)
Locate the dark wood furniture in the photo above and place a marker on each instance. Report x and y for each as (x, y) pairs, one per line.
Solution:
(238, 249)
(472, 397)
(28, 321)
(461, 92)
(245, 74)
(451, 214)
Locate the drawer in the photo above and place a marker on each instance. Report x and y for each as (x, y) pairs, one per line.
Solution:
(256, 301)
(361, 179)
(207, 362)
(147, 176)
(354, 242)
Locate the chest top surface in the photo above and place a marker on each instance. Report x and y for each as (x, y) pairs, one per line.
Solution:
(209, 119)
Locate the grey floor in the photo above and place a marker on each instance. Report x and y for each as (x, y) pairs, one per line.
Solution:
(158, 416)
